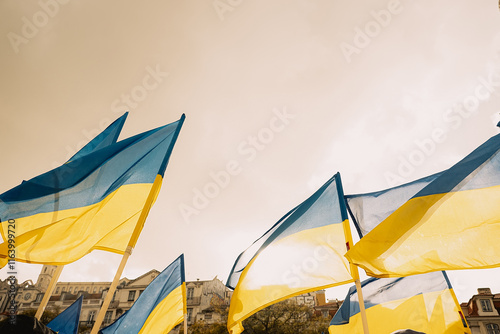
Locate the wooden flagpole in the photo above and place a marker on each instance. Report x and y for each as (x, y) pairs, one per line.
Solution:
(48, 293)
(111, 292)
(131, 244)
(185, 323)
(355, 275)
(362, 309)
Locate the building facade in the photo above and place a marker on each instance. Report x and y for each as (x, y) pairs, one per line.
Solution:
(482, 312)
(204, 298)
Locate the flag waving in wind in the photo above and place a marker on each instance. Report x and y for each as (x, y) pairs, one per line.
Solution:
(159, 308)
(67, 322)
(451, 223)
(93, 201)
(424, 303)
(107, 137)
(302, 252)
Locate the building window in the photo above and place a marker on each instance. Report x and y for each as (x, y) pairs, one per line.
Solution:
(208, 316)
(486, 305)
(493, 329)
(140, 292)
(70, 289)
(87, 289)
(100, 289)
(131, 296)
(91, 317)
(189, 314)
(39, 297)
(107, 317)
(190, 293)
(63, 289)
(95, 289)
(57, 290)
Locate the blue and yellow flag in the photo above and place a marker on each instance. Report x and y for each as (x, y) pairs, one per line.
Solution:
(68, 320)
(423, 303)
(451, 223)
(159, 308)
(91, 202)
(302, 252)
(370, 209)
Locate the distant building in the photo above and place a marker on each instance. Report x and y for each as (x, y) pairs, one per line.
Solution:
(482, 312)
(328, 309)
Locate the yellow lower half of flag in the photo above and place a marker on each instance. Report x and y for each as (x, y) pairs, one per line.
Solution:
(167, 314)
(305, 261)
(64, 236)
(457, 230)
(433, 312)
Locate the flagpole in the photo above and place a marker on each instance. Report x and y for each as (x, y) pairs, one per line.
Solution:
(354, 269)
(185, 323)
(48, 292)
(131, 244)
(362, 309)
(111, 292)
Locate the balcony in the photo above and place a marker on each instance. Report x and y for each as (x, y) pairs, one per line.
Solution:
(191, 301)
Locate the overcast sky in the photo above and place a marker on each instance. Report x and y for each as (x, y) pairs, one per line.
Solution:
(282, 94)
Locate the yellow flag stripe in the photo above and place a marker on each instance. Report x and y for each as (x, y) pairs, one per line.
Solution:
(106, 225)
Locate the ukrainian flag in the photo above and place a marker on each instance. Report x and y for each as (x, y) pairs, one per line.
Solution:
(302, 252)
(67, 321)
(159, 308)
(451, 223)
(424, 303)
(369, 210)
(91, 202)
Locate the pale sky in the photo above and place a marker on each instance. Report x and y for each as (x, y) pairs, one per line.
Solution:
(383, 91)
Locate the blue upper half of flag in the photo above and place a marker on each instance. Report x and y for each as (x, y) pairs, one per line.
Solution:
(107, 137)
(479, 169)
(67, 322)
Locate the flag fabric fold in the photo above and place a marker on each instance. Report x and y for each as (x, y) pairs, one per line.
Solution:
(68, 320)
(91, 202)
(159, 308)
(302, 252)
(451, 223)
(423, 303)
(369, 210)
(105, 138)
